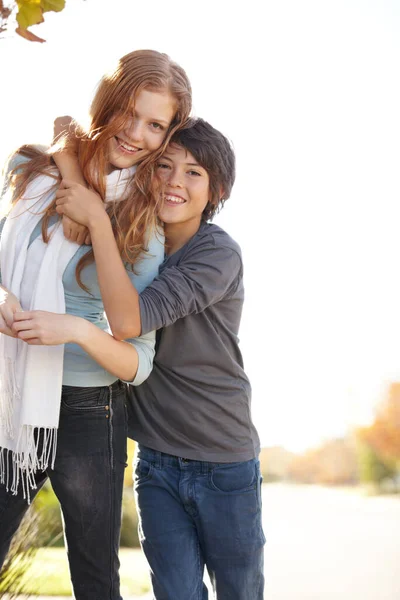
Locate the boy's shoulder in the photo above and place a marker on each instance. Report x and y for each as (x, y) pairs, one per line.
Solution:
(213, 235)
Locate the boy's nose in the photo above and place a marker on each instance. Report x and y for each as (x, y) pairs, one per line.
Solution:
(175, 180)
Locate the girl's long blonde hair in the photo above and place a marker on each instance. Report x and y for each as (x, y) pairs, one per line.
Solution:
(136, 214)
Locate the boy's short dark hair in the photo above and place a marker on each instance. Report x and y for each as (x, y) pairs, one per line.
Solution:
(215, 154)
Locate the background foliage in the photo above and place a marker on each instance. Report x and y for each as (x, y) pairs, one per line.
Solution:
(25, 14)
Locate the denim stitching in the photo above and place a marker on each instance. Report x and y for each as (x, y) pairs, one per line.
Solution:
(112, 508)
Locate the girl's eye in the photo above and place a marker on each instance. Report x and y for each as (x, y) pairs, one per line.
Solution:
(156, 126)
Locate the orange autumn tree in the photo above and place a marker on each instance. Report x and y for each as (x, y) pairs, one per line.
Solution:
(25, 13)
(383, 436)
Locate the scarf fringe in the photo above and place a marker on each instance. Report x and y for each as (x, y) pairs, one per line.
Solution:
(9, 393)
(18, 468)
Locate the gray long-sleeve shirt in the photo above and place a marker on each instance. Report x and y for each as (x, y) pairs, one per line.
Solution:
(196, 402)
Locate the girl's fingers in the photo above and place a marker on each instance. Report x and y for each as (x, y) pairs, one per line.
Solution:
(80, 238)
(5, 329)
(61, 193)
(23, 315)
(29, 334)
(18, 326)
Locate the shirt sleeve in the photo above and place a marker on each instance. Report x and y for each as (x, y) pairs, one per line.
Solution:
(145, 347)
(145, 271)
(207, 274)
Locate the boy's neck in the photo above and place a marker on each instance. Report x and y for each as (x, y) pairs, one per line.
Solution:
(178, 234)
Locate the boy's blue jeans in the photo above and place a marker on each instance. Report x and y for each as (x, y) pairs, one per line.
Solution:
(87, 479)
(194, 514)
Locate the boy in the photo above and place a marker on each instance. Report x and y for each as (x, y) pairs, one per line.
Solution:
(197, 477)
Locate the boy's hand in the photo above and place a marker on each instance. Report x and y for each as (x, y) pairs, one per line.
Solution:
(40, 328)
(9, 305)
(75, 232)
(79, 204)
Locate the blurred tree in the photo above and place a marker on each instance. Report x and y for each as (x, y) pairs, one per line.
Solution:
(274, 463)
(372, 468)
(333, 463)
(383, 436)
(25, 13)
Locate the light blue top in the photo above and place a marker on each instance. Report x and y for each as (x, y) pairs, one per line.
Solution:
(79, 368)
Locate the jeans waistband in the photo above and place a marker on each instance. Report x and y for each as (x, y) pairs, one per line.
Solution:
(161, 459)
(117, 385)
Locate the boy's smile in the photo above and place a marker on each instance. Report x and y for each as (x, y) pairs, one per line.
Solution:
(185, 188)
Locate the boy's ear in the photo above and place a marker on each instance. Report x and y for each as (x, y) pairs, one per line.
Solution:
(221, 192)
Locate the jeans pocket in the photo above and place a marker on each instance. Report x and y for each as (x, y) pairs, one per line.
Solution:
(143, 471)
(234, 477)
(84, 399)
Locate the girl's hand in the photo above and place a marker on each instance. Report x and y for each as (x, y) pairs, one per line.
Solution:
(40, 328)
(9, 305)
(75, 232)
(62, 126)
(79, 204)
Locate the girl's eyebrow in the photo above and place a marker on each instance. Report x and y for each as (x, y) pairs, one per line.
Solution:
(162, 121)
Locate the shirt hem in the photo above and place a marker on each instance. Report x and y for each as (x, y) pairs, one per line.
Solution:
(83, 380)
(191, 453)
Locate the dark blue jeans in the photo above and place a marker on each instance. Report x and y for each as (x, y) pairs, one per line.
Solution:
(194, 514)
(88, 481)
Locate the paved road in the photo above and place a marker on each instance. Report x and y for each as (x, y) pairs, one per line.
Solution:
(327, 544)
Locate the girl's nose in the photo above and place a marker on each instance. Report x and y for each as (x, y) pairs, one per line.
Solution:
(134, 130)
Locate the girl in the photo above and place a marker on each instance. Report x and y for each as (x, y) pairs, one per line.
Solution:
(134, 112)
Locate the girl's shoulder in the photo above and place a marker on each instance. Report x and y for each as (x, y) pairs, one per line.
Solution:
(16, 159)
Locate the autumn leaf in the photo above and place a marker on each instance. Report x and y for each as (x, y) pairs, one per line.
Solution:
(55, 5)
(29, 13)
(28, 35)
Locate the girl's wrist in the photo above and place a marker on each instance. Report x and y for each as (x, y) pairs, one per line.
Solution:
(99, 222)
(80, 331)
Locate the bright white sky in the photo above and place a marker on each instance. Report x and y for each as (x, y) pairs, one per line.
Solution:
(309, 93)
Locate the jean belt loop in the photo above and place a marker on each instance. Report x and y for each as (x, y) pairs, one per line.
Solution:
(159, 460)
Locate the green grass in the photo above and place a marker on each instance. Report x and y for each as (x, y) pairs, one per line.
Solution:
(48, 574)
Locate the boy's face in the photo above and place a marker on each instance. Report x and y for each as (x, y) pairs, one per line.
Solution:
(185, 186)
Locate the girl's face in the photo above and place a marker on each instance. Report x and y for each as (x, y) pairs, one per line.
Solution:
(144, 130)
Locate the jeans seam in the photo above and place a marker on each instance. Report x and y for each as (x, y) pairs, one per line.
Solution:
(112, 507)
(200, 575)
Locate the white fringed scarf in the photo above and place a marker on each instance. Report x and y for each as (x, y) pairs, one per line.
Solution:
(31, 376)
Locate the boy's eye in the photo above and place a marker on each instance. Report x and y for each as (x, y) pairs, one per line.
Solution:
(163, 166)
(194, 173)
